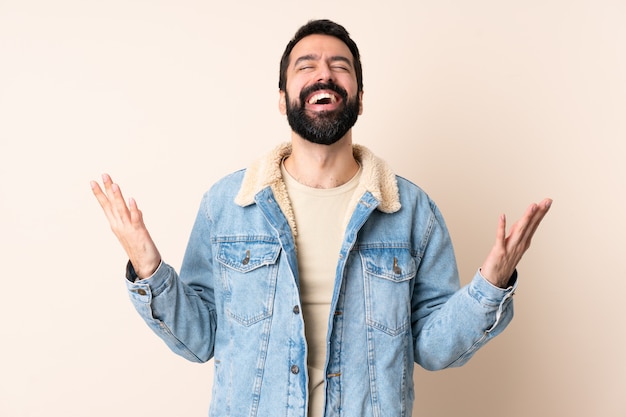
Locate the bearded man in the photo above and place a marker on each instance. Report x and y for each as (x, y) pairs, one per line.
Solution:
(316, 278)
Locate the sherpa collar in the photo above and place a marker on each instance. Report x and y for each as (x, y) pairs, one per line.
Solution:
(376, 177)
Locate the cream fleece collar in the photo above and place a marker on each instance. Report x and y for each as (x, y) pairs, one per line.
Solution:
(376, 177)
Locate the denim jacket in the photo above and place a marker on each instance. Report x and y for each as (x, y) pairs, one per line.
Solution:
(396, 301)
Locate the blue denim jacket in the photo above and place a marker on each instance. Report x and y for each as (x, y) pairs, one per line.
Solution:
(396, 299)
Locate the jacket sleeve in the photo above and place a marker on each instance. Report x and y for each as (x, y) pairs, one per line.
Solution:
(450, 323)
(181, 309)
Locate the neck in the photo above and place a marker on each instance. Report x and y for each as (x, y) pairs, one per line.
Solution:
(321, 166)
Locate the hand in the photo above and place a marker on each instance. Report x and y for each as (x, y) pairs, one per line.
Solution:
(508, 250)
(127, 225)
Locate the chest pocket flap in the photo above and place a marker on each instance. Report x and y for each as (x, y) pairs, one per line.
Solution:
(249, 272)
(245, 256)
(391, 264)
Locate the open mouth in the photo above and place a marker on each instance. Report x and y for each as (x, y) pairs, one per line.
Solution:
(323, 100)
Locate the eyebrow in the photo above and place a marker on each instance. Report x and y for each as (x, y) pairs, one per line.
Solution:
(313, 57)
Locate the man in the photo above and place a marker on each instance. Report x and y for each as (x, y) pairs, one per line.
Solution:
(316, 277)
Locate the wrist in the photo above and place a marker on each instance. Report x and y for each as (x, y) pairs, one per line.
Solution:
(502, 283)
(144, 272)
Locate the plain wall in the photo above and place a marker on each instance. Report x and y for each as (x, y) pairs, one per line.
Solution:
(488, 105)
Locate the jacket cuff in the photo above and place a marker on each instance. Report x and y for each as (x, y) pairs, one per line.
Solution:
(144, 289)
(492, 296)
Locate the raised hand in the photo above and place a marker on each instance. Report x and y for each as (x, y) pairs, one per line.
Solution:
(508, 250)
(126, 221)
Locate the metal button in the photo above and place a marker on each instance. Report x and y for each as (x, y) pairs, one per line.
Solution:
(296, 310)
(294, 369)
(396, 269)
(141, 291)
(246, 260)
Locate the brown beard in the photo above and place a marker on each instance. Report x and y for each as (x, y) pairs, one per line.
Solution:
(325, 127)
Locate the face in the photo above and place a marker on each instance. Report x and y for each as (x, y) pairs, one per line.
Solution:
(321, 100)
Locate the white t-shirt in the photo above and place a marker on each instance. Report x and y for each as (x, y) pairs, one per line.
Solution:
(319, 214)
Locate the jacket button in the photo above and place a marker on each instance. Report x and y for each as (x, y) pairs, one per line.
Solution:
(296, 310)
(294, 369)
(141, 291)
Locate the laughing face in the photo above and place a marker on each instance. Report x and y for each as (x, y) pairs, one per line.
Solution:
(321, 100)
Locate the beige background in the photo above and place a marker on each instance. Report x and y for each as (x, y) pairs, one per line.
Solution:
(489, 105)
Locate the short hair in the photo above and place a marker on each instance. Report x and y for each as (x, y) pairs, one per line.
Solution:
(321, 27)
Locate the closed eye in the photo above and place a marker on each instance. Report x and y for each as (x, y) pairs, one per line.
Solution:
(341, 63)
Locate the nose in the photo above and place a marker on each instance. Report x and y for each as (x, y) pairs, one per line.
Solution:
(324, 73)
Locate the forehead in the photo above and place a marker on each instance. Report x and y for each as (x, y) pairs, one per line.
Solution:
(320, 46)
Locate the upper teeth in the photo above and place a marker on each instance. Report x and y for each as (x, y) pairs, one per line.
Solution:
(317, 97)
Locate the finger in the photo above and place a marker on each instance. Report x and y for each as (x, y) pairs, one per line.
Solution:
(524, 230)
(102, 198)
(501, 232)
(97, 191)
(542, 209)
(119, 204)
(538, 213)
(547, 203)
(526, 219)
(107, 182)
(135, 214)
(119, 210)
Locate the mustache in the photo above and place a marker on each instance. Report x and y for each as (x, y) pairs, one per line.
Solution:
(322, 86)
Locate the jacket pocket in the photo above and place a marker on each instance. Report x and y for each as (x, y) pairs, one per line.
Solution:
(387, 280)
(248, 271)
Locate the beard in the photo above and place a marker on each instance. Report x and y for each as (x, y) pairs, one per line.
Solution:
(325, 127)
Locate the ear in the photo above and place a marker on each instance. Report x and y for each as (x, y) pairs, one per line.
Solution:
(282, 103)
(361, 102)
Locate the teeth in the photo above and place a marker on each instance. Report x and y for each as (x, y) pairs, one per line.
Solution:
(321, 96)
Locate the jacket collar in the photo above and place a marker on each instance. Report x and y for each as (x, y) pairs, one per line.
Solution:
(376, 178)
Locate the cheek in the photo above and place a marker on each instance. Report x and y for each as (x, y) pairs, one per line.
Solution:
(294, 90)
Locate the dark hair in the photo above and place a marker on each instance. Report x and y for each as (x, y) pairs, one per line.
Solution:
(321, 27)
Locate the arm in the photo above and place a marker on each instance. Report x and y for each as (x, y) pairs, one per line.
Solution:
(181, 313)
(450, 325)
